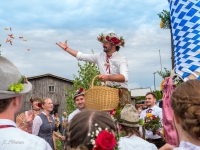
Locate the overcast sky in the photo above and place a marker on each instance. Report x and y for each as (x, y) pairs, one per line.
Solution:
(44, 23)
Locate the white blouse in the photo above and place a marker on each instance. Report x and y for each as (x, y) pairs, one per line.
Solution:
(136, 143)
(187, 146)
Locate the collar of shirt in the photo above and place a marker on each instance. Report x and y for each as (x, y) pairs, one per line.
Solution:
(7, 122)
(113, 54)
(153, 108)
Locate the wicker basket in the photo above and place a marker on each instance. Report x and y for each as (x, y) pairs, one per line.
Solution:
(101, 97)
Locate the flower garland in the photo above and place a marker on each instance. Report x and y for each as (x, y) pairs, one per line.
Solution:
(102, 139)
(112, 38)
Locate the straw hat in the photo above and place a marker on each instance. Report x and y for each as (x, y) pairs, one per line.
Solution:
(9, 75)
(129, 116)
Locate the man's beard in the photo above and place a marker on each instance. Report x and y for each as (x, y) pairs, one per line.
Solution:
(106, 49)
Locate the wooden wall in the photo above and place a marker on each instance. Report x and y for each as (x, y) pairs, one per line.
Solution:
(40, 88)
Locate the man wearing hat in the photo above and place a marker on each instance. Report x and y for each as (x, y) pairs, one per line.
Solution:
(129, 124)
(79, 100)
(12, 88)
(112, 65)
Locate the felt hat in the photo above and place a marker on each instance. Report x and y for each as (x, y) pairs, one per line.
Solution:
(129, 116)
(10, 75)
(79, 92)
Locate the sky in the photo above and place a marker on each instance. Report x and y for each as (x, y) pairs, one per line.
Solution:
(44, 23)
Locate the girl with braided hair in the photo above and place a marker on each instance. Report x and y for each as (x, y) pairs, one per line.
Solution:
(185, 102)
(91, 130)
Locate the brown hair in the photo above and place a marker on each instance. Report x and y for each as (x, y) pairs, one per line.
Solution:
(84, 123)
(36, 99)
(129, 131)
(43, 100)
(117, 48)
(153, 94)
(4, 103)
(185, 101)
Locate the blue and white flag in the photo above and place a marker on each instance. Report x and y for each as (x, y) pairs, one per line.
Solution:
(185, 23)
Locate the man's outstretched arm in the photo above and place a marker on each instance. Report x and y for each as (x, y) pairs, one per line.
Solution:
(67, 49)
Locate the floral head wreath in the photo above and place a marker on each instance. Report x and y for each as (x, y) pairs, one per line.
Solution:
(112, 38)
(102, 139)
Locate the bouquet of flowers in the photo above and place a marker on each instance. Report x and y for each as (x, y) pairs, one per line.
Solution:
(152, 122)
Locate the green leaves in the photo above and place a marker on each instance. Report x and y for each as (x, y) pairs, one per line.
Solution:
(165, 18)
(164, 74)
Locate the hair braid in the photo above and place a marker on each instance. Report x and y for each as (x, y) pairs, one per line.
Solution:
(185, 102)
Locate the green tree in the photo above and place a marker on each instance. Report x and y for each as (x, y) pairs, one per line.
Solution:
(86, 73)
(165, 23)
(164, 74)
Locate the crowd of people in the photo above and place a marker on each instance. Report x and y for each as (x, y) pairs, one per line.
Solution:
(84, 129)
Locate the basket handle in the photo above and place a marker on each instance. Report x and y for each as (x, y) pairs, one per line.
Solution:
(94, 79)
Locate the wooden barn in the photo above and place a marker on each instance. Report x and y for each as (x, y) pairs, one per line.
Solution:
(48, 85)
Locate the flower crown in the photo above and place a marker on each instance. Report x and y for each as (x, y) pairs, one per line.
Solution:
(112, 38)
(102, 139)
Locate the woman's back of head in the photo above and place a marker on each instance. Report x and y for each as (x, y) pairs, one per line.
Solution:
(185, 102)
(86, 123)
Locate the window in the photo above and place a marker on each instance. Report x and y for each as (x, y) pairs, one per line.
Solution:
(51, 88)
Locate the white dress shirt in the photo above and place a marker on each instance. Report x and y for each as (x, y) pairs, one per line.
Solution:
(135, 143)
(71, 116)
(13, 138)
(157, 111)
(118, 65)
(187, 146)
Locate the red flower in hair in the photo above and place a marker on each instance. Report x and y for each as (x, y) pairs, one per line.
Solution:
(31, 100)
(81, 90)
(107, 38)
(101, 38)
(122, 43)
(39, 105)
(115, 40)
(105, 140)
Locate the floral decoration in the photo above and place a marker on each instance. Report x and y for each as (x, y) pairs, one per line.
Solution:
(152, 122)
(102, 139)
(115, 113)
(17, 87)
(81, 90)
(39, 105)
(31, 100)
(161, 85)
(112, 38)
